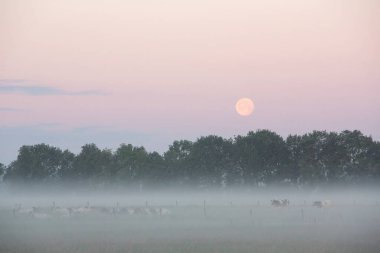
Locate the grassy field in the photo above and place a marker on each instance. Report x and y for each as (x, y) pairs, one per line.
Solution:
(190, 228)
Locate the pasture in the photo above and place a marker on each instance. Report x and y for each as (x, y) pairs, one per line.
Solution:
(191, 224)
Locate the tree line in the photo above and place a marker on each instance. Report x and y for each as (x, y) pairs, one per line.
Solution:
(257, 159)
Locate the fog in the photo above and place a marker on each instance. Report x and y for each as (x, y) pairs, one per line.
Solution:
(177, 220)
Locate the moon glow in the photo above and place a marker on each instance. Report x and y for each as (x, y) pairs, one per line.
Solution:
(244, 106)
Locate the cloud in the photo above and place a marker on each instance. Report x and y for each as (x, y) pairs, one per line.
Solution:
(20, 86)
(10, 109)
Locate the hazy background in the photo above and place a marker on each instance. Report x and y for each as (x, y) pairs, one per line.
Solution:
(149, 72)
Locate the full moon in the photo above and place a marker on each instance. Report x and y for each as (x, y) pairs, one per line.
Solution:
(244, 106)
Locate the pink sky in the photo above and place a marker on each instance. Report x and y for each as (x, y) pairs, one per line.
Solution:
(175, 68)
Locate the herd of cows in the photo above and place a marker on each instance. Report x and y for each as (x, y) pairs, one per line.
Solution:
(286, 202)
(66, 212)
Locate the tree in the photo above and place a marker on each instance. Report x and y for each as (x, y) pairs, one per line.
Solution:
(360, 152)
(293, 143)
(129, 163)
(374, 164)
(176, 161)
(263, 157)
(36, 164)
(312, 168)
(155, 172)
(67, 172)
(210, 161)
(333, 158)
(2, 169)
(92, 164)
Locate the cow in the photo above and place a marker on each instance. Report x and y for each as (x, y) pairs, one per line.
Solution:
(323, 203)
(280, 203)
(285, 202)
(276, 203)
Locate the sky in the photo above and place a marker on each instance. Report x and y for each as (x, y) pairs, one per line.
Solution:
(149, 72)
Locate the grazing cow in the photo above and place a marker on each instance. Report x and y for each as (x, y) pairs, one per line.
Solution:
(24, 211)
(323, 203)
(164, 211)
(280, 203)
(285, 202)
(150, 211)
(62, 212)
(318, 204)
(139, 211)
(103, 209)
(83, 210)
(40, 215)
(276, 203)
(34, 212)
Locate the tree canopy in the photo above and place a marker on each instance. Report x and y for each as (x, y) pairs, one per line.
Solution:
(258, 158)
